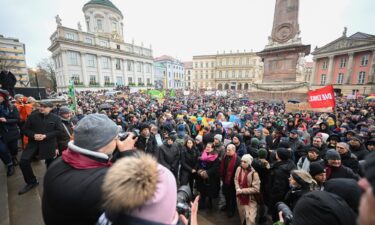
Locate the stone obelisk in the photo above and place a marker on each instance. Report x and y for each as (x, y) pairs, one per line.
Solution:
(285, 50)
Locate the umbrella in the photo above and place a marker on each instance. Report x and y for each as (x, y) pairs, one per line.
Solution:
(293, 101)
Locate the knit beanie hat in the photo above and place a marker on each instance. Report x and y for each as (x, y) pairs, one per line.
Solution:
(94, 131)
(218, 137)
(370, 170)
(283, 153)
(199, 138)
(332, 155)
(316, 168)
(247, 158)
(262, 153)
(140, 187)
(254, 141)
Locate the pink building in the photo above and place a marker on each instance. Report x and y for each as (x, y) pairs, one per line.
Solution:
(348, 63)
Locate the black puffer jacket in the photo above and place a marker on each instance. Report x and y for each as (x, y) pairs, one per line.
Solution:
(350, 160)
(189, 161)
(361, 152)
(9, 130)
(169, 156)
(279, 181)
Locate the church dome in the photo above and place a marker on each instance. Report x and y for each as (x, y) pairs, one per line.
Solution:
(105, 3)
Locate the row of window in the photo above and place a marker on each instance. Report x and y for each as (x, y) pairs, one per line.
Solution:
(364, 62)
(340, 78)
(226, 62)
(221, 74)
(107, 80)
(73, 59)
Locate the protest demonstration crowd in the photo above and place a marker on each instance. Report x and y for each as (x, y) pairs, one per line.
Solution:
(119, 157)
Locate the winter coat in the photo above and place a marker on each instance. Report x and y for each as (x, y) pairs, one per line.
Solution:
(73, 196)
(263, 169)
(210, 187)
(50, 125)
(340, 172)
(297, 147)
(248, 212)
(361, 153)
(9, 130)
(350, 160)
(169, 156)
(123, 219)
(65, 135)
(293, 195)
(279, 181)
(304, 163)
(189, 161)
(148, 145)
(219, 148)
(240, 149)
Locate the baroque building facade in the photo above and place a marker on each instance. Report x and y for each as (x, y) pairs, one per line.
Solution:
(12, 58)
(99, 57)
(348, 63)
(235, 71)
(174, 72)
(188, 67)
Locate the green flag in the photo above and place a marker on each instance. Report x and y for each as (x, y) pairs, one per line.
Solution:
(72, 95)
(155, 94)
(172, 94)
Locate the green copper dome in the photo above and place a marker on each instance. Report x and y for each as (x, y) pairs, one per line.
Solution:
(104, 3)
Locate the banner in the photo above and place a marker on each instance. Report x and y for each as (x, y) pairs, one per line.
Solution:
(156, 94)
(322, 98)
(304, 107)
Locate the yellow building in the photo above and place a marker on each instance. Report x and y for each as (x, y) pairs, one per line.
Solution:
(235, 71)
(12, 58)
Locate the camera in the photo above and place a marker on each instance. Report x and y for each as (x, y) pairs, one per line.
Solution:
(184, 197)
(123, 135)
(287, 213)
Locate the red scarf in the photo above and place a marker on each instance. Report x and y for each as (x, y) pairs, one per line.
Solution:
(227, 175)
(244, 198)
(79, 161)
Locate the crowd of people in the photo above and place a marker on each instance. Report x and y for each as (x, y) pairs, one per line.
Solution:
(255, 153)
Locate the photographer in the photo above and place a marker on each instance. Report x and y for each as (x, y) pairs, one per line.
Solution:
(139, 191)
(72, 184)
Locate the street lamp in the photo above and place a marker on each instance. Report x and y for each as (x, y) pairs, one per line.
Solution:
(35, 70)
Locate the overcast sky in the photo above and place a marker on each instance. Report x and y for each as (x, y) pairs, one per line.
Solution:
(183, 28)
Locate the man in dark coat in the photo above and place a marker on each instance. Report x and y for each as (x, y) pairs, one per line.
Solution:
(279, 180)
(73, 183)
(348, 159)
(42, 128)
(240, 146)
(335, 169)
(67, 133)
(169, 155)
(357, 147)
(8, 81)
(146, 141)
(228, 168)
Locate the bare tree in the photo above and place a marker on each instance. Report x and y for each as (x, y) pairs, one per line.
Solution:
(47, 68)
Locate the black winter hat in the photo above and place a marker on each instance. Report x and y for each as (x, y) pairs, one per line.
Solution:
(347, 189)
(316, 168)
(332, 155)
(283, 153)
(143, 126)
(321, 207)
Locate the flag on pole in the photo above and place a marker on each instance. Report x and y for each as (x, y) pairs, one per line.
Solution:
(172, 94)
(72, 95)
(322, 98)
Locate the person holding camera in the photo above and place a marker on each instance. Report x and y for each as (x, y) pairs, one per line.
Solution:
(72, 184)
(139, 191)
(247, 184)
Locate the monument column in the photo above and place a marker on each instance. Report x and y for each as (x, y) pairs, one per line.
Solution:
(350, 68)
(330, 70)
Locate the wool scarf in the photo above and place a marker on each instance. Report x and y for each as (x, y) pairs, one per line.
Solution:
(244, 198)
(227, 175)
(79, 161)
